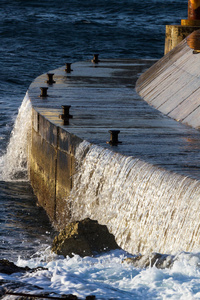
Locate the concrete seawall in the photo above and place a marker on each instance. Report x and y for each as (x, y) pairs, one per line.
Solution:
(141, 198)
(52, 166)
(53, 144)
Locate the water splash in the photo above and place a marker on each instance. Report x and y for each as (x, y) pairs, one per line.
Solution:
(147, 208)
(108, 276)
(13, 164)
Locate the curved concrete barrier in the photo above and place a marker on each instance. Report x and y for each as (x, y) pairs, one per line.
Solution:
(146, 207)
(172, 85)
(97, 94)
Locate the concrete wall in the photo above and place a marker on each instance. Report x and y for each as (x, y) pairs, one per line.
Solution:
(102, 97)
(52, 165)
(174, 34)
(172, 85)
(87, 89)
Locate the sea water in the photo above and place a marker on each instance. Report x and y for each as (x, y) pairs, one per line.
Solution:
(37, 36)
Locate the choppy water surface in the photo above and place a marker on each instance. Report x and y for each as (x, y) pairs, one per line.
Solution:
(37, 36)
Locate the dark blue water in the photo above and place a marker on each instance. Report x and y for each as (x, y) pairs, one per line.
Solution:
(36, 36)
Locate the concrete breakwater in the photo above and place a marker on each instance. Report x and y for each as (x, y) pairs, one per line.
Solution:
(133, 187)
(89, 89)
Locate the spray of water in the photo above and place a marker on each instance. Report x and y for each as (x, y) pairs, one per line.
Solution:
(147, 208)
(13, 164)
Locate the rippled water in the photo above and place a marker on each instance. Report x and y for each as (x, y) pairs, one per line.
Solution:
(37, 36)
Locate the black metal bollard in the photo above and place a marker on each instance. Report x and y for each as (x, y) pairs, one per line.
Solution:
(68, 68)
(114, 137)
(44, 92)
(50, 78)
(95, 58)
(65, 116)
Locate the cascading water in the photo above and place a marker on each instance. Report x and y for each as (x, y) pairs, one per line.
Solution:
(147, 208)
(25, 227)
(13, 164)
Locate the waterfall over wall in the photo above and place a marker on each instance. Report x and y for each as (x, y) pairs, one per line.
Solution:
(147, 208)
(13, 164)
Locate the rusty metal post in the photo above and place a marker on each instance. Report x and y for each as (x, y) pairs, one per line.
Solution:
(175, 33)
(193, 10)
(193, 41)
(44, 92)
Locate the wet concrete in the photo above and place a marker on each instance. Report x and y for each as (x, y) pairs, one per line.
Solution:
(103, 97)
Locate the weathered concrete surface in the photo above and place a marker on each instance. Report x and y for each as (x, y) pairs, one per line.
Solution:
(102, 97)
(174, 34)
(52, 159)
(52, 165)
(172, 85)
(43, 172)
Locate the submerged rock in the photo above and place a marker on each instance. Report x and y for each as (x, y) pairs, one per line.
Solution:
(160, 261)
(25, 291)
(11, 289)
(84, 238)
(8, 267)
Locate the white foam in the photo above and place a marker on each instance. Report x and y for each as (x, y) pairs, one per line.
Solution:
(108, 277)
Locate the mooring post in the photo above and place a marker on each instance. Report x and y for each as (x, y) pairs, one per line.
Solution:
(68, 68)
(95, 58)
(50, 78)
(65, 116)
(66, 113)
(44, 92)
(114, 137)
